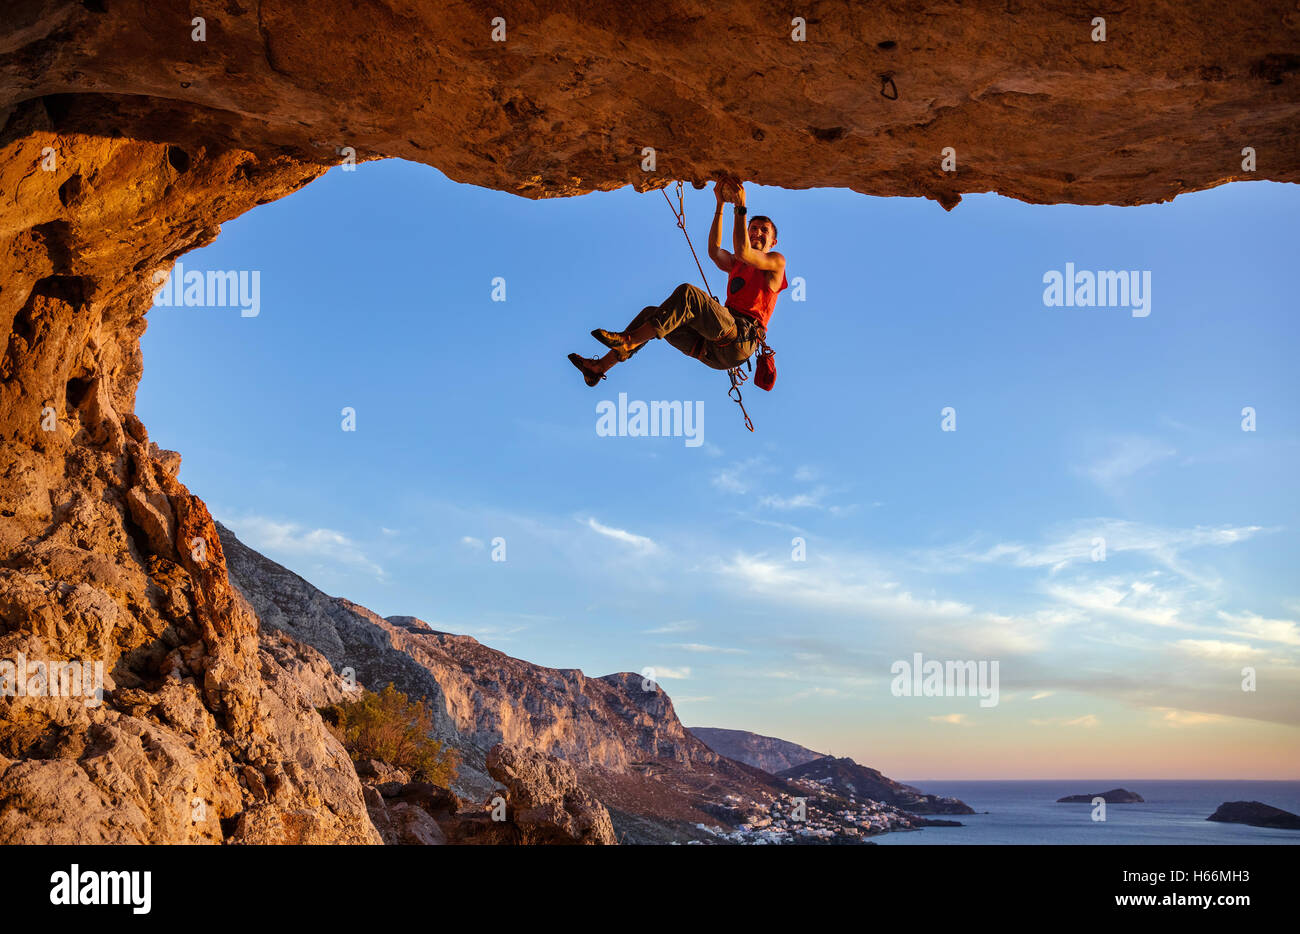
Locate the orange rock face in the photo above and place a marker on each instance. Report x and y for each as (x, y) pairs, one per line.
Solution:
(130, 131)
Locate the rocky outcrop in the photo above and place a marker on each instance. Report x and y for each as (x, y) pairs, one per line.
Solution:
(153, 763)
(406, 813)
(541, 803)
(762, 752)
(1256, 815)
(544, 801)
(129, 133)
(845, 777)
(1114, 796)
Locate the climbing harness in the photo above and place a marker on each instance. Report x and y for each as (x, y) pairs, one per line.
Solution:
(737, 375)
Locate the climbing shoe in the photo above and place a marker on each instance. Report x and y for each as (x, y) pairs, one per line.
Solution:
(616, 342)
(587, 366)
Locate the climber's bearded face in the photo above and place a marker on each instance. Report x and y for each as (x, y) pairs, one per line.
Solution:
(761, 236)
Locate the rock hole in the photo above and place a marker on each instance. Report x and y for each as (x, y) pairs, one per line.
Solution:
(54, 237)
(179, 159)
(70, 289)
(77, 390)
(70, 190)
(95, 6)
(25, 325)
(887, 45)
(1276, 66)
(57, 107)
(827, 134)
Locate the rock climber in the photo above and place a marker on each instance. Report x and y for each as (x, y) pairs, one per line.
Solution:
(721, 336)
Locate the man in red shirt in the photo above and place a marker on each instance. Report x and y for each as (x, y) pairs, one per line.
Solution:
(721, 336)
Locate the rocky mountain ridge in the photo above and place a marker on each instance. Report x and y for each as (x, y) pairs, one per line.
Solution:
(845, 777)
(762, 752)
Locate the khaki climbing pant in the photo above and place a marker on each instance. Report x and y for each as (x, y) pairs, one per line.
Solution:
(693, 322)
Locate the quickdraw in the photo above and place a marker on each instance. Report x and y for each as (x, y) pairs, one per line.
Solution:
(738, 376)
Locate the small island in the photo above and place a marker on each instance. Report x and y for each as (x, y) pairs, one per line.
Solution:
(1114, 796)
(1256, 815)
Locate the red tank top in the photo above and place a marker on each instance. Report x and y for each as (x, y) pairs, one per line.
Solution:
(747, 292)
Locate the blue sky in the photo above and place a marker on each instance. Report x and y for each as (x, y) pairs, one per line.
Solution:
(624, 553)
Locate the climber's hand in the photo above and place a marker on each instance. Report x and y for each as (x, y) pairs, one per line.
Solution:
(739, 200)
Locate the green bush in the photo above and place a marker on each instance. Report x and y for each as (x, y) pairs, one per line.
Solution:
(392, 728)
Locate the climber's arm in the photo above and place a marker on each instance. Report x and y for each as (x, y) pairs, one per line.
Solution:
(741, 250)
(721, 258)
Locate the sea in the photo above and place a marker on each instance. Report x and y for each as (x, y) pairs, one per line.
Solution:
(1026, 812)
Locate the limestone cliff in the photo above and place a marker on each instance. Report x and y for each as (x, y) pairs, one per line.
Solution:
(130, 131)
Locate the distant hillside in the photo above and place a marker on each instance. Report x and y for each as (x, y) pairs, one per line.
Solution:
(762, 752)
(629, 748)
(846, 777)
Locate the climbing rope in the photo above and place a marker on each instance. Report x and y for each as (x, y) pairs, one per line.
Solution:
(737, 375)
(680, 213)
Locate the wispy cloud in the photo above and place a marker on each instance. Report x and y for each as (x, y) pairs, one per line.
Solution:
(1175, 717)
(1090, 541)
(678, 626)
(809, 500)
(739, 477)
(819, 690)
(957, 719)
(852, 585)
(639, 542)
(1218, 649)
(1125, 457)
(1131, 601)
(1087, 721)
(293, 541)
(702, 648)
(1257, 627)
(747, 477)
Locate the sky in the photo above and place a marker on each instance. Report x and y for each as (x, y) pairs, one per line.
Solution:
(1095, 519)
